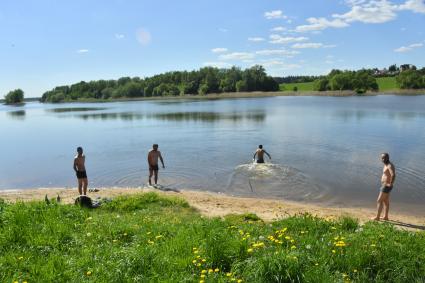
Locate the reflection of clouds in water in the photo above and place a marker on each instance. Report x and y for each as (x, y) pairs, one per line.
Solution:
(17, 115)
(347, 115)
(274, 180)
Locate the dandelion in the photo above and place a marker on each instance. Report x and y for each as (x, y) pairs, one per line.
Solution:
(373, 245)
(216, 270)
(88, 273)
(198, 256)
(158, 237)
(210, 270)
(195, 251)
(240, 281)
(333, 251)
(316, 264)
(228, 274)
(88, 234)
(355, 270)
(250, 250)
(203, 271)
(201, 281)
(148, 233)
(125, 234)
(194, 261)
(114, 240)
(203, 260)
(20, 258)
(151, 242)
(198, 265)
(202, 276)
(293, 247)
(287, 238)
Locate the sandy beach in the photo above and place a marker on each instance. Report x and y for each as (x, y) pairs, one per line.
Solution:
(218, 205)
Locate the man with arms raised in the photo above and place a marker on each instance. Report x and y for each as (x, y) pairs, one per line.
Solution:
(80, 170)
(260, 154)
(387, 181)
(153, 156)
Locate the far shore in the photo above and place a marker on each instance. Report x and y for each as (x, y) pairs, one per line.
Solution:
(254, 94)
(218, 205)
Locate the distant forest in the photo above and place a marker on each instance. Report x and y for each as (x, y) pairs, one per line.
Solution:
(213, 80)
(203, 81)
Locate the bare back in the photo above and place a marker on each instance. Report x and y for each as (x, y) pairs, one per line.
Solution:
(79, 163)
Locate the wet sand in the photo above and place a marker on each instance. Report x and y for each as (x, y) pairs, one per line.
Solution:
(218, 205)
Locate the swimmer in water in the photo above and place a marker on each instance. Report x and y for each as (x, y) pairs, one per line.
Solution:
(260, 154)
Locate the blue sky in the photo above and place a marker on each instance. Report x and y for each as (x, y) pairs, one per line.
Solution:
(47, 43)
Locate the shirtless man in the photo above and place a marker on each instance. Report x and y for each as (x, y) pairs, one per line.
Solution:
(260, 154)
(153, 156)
(387, 181)
(80, 171)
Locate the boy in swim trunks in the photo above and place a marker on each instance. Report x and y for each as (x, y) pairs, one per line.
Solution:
(153, 156)
(80, 171)
(260, 154)
(387, 181)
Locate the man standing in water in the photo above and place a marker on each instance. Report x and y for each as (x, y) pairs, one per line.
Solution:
(260, 154)
(153, 156)
(80, 170)
(387, 181)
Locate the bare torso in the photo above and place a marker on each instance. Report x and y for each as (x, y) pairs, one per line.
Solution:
(153, 157)
(79, 163)
(388, 175)
(260, 154)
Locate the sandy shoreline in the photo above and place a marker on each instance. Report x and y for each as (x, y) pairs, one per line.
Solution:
(217, 205)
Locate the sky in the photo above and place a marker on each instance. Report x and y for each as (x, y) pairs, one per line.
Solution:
(47, 43)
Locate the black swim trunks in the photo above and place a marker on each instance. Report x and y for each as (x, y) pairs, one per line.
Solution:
(153, 167)
(81, 174)
(260, 160)
(386, 189)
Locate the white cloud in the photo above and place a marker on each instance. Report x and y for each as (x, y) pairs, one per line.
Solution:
(143, 36)
(277, 39)
(282, 52)
(219, 50)
(375, 11)
(82, 51)
(316, 24)
(220, 65)
(408, 48)
(307, 45)
(256, 39)
(119, 36)
(237, 56)
(278, 29)
(276, 14)
(416, 6)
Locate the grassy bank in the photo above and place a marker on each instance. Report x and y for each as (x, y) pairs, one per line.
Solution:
(152, 238)
(384, 83)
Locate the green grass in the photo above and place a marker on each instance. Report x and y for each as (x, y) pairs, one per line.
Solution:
(384, 83)
(387, 83)
(301, 86)
(150, 238)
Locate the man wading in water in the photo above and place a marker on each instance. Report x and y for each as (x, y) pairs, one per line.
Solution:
(80, 170)
(387, 181)
(260, 154)
(153, 156)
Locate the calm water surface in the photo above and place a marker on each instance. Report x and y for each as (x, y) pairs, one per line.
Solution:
(324, 149)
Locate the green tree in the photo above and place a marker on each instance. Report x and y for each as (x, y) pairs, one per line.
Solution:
(410, 79)
(14, 96)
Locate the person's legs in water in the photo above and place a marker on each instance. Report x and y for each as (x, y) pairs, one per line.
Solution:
(156, 176)
(150, 175)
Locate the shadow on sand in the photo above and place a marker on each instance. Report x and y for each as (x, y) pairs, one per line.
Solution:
(408, 225)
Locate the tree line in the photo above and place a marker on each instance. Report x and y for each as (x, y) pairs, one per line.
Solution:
(199, 82)
(14, 97)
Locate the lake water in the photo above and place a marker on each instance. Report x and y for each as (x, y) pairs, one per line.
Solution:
(324, 149)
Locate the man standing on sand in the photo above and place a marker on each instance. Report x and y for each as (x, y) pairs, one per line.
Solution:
(387, 181)
(260, 154)
(153, 156)
(80, 170)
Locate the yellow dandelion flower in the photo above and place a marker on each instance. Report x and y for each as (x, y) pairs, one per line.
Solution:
(228, 274)
(201, 281)
(202, 276)
(195, 251)
(316, 264)
(292, 241)
(198, 256)
(216, 270)
(198, 265)
(20, 258)
(88, 234)
(148, 233)
(250, 250)
(125, 234)
(151, 242)
(287, 238)
(158, 237)
(373, 245)
(240, 281)
(355, 270)
(88, 273)
(194, 261)
(210, 270)
(293, 247)
(333, 251)
(114, 240)
(203, 271)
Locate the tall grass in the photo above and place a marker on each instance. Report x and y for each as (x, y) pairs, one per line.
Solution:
(151, 238)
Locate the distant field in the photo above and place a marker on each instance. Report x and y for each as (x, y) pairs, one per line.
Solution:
(301, 86)
(385, 83)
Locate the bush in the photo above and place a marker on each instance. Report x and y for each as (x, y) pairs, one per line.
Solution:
(14, 96)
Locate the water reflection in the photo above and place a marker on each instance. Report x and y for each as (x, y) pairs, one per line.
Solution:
(17, 115)
(74, 109)
(209, 116)
(346, 115)
(125, 116)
